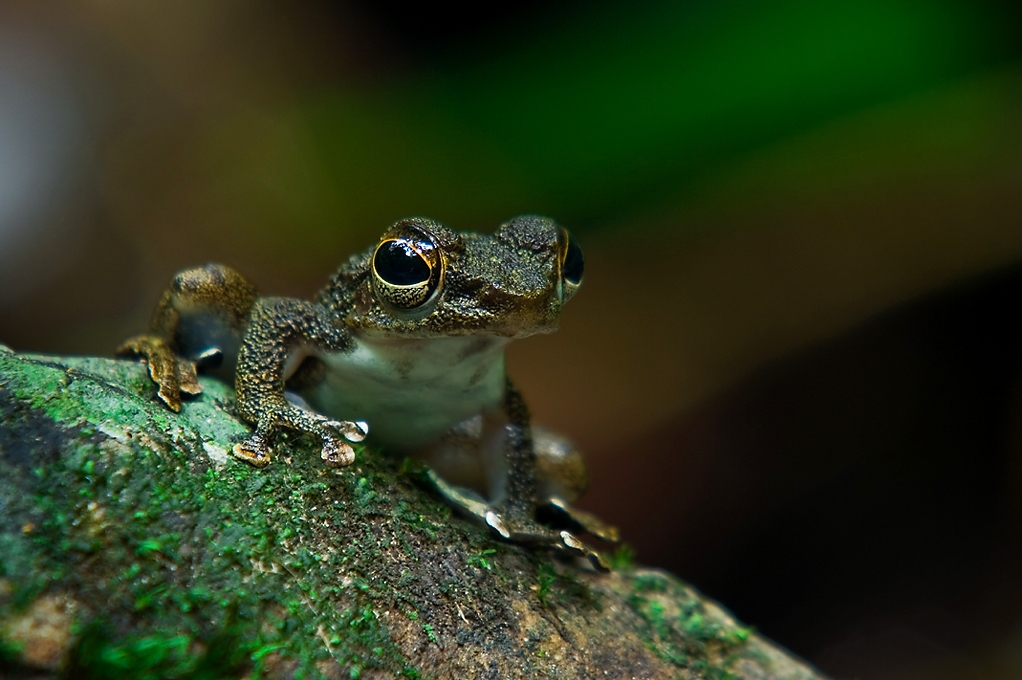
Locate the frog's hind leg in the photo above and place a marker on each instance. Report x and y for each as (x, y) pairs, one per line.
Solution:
(509, 473)
(513, 526)
(557, 513)
(562, 478)
(200, 318)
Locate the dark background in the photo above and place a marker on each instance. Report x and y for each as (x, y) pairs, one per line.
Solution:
(794, 364)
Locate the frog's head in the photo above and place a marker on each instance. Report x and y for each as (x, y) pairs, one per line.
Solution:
(426, 280)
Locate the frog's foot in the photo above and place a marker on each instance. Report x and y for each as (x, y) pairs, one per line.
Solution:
(334, 435)
(172, 374)
(557, 513)
(256, 449)
(516, 526)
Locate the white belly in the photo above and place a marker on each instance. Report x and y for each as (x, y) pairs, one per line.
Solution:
(412, 391)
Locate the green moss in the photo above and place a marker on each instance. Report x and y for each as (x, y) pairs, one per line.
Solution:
(680, 631)
(190, 550)
(482, 560)
(546, 576)
(623, 558)
(185, 563)
(10, 652)
(428, 629)
(563, 587)
(153, 657)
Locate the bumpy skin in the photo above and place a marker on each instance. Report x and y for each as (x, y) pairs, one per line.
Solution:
(408, 336)
(276, 326)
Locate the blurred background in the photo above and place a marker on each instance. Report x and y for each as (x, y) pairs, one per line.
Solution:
(795, 363)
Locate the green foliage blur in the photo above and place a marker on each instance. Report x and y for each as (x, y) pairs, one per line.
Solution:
(628, 108)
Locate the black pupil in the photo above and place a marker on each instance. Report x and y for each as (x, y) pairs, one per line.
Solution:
(574, 263)
(398, 264)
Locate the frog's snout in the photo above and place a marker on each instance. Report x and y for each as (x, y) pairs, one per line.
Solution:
(520, 314)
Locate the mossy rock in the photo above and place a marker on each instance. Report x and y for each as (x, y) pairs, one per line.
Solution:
(132, 545)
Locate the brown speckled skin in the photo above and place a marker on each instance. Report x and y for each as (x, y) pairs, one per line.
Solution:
(508, 284)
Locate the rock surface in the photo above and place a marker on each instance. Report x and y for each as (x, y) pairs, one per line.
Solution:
(132, 545)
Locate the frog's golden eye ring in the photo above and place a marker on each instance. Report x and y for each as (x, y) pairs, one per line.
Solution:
(404, 275)
(572, 265)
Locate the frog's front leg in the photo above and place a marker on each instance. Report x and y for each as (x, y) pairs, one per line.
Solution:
(277, 329)
(201, 315)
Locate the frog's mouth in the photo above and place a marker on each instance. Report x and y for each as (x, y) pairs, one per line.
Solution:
(518, 332)
(448, 327)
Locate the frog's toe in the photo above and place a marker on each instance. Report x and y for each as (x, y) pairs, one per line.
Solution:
(495, 522)
(169, 394)
(557, 513)
(512, 523)
(172, 374)
(353, 431)
(188, 380)
(253, 450)
(563, 541)
(466, 503)
(211, 357)
(574, 546)
(337, 453)
(533, 533)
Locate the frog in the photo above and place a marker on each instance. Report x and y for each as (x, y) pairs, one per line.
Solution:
(404, 348)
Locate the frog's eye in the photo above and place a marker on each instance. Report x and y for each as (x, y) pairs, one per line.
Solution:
(572, 266)
(403, 275)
